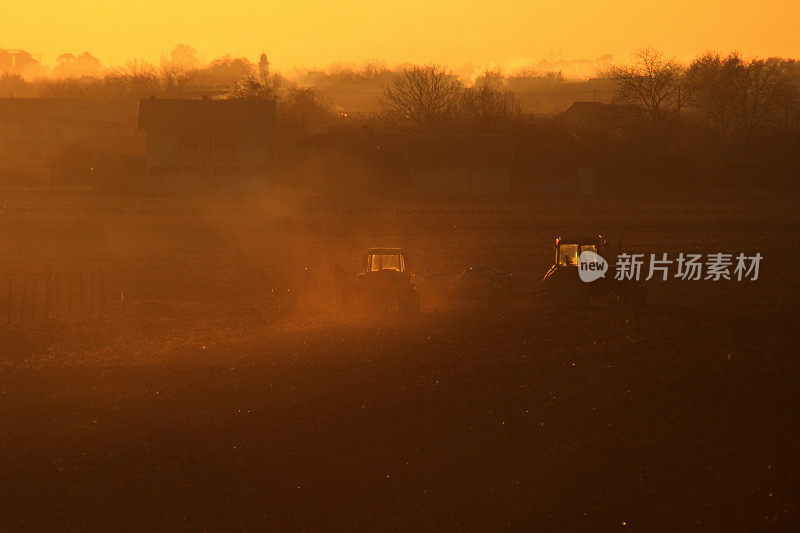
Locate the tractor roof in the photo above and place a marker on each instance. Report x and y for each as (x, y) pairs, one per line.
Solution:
(580, 239)
(385, 251)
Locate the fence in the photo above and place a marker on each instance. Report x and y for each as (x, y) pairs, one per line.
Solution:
(52, 296)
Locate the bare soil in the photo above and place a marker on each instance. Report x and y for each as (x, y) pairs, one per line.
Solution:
(200, 401)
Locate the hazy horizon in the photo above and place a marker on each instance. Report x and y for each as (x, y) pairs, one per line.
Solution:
(466, 37)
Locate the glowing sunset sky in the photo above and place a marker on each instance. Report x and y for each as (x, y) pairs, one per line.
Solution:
(310, 33)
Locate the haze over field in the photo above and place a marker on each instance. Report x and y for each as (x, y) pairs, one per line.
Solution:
(466, 36)
(316, 265)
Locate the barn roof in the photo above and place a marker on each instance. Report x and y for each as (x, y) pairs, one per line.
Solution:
(385, 251)
(459, 150)
(580, 238)
(71, 110)
(224, 115)
(598, 111)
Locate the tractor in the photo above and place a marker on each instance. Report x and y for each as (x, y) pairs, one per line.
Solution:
(563, 282)
(385, 284)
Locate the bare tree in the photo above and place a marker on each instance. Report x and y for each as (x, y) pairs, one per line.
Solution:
(491, 78)
(139, 78)
(487, 108)
(227, 70)
(14, 84)
(422, 97)
(304, 108)
(250, 88)
(651, 82)
(175, 78)
(738, 96)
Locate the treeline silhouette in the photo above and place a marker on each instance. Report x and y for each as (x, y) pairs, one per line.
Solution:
(721, 121)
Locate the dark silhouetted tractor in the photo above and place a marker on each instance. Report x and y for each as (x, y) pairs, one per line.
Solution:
(385, 285)
(563, 282)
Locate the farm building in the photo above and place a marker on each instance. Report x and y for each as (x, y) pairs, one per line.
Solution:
(588, 120)
(43, 136)
(460, 164)
(205, 141)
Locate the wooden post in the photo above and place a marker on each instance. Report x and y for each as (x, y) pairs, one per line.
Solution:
(69, 293)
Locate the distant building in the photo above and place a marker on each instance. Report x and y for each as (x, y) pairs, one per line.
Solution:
(36, 134)
(460, 164)
(205, 141)
(55, 120)
(19, 62)
(596, 119)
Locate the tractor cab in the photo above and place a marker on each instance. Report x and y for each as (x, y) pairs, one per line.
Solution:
(379, 259)
(569, 248)
(563, 283)
(562, 278)
(386, 282)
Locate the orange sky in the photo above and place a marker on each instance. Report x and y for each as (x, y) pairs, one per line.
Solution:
(309, 33)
